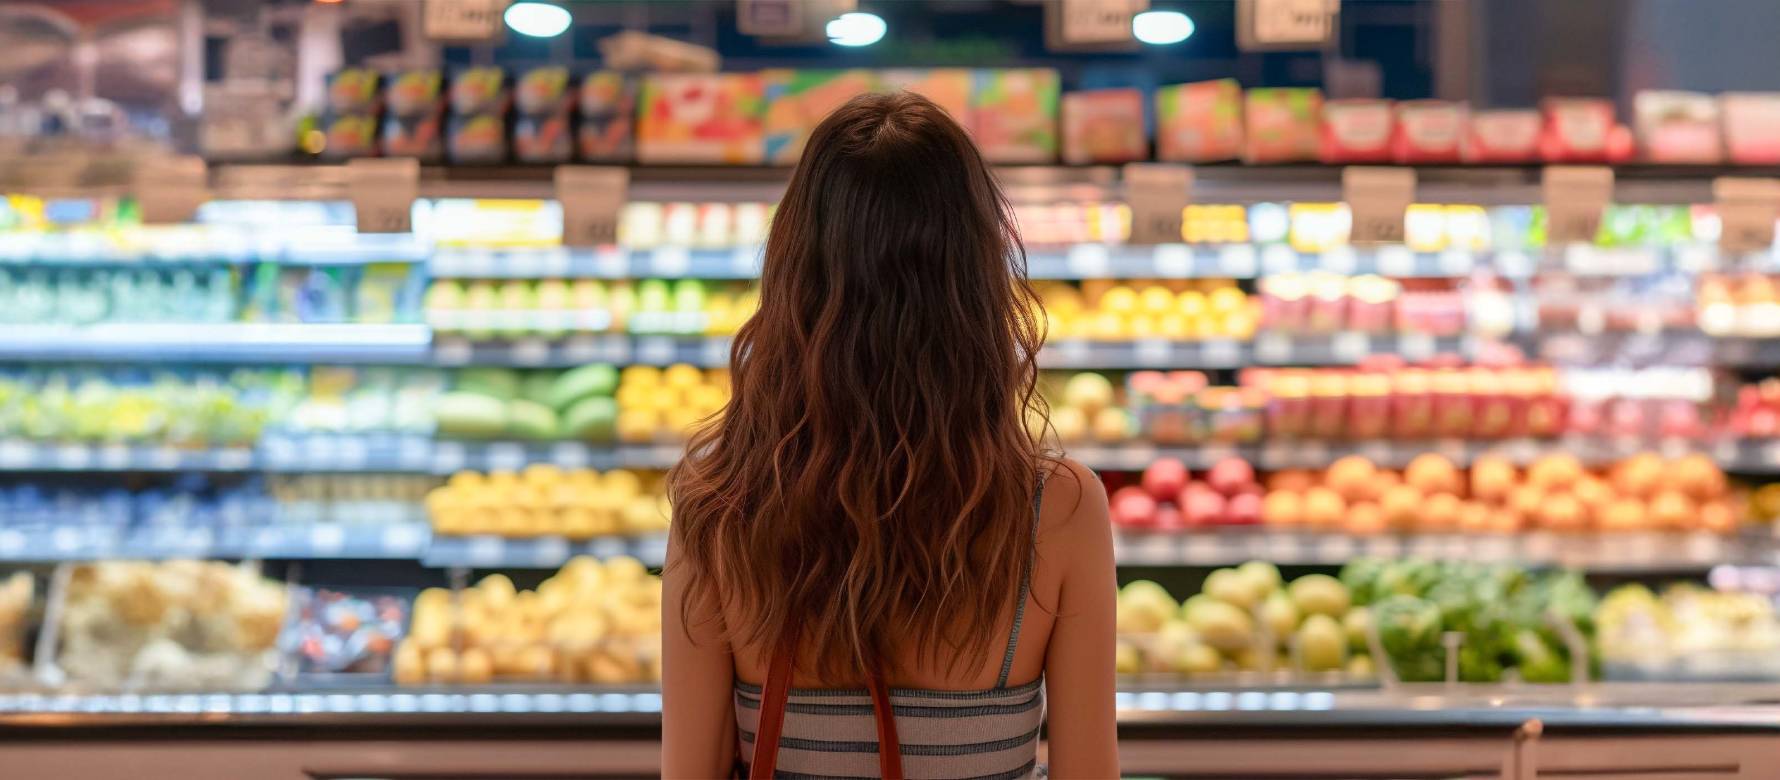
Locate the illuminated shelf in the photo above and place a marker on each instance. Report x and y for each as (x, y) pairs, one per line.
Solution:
(543, 552)
(297, 541)
(217, 342)
(1627, 552)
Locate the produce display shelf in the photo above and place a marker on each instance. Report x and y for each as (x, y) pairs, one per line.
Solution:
(543, 552)
(1745, 456)
(217, 342)
(1628, 552)
(321, 541)
(1666, 347)
(324, 245)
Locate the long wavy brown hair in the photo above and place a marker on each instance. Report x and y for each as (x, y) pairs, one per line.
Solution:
(871, 481)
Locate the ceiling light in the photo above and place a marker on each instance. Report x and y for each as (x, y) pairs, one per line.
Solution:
(856, 29)
(538, 20)
(1160, 28)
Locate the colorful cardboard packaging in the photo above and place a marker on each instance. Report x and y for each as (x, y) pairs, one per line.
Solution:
(701, 118)
(607, 104)
(1750, 123)
(1013, 114)
(1677, 127)
(1501, 137)
(354, 108)
(543, 106)
(1356, 131)
(1582, 130)
(1428, 131)
(1199, 122)
(477, 130)
(798, 100)
(948, 88)
(414, 122)
(1283, 124)
(1104, 126)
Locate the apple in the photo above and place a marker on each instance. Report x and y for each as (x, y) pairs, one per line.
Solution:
(1165, 478)
(1169, 518)
(1200, 505)
(1244, 509)
(1228, 476)
(1133, 508)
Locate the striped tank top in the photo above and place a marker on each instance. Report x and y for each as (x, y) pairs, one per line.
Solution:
(981, 735)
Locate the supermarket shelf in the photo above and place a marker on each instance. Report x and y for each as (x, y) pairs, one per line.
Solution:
(544, 552)
(1265, 349)
(579, 350)
(217, 342)
(282, 541)
(607, 263)
(1630, 552)
(1662, 347)
(1753, 456)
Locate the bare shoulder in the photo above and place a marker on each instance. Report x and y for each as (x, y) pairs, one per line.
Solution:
(1074, 505)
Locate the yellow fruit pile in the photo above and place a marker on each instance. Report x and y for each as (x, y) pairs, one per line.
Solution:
(1174, 309)
(664, 404)
(1555, 493)
(544, 500)
(590, 623)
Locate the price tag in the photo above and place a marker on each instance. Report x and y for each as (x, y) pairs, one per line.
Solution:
(610, 262)
(1337, 548)
(1158, 194)
(403, 539)
(606, 547)
(1386, 547)
(655, 350)
(1099, 21)
(163, 458)
(1273, 348)
(169, 190)
(1376, 451)
(451, 351)
(383, 193)
(1350, 347)
(1456, 262)
(1237, 260)
(485, 551)
(1415, 347)
(531, 352)
(1173, 261)
(1203, 549)
(234, 459)
(591, 198)
(1339, 260)
(1395, 261)
(448, 457)
(506, 456)
(73, 457)
(1279, 259)
(114, 457)
(670, 261)
(1283, 548)
(326, 541)
(1746, 209)
(12, 543)
(1220, 353)
(15, 454)
(1071, 353)
(462, 20)
(549, 551)
(1377, 197)
(1284, 23)
(716, 353)
(1574, 199)
(744, 261)
(1154, 352)
(66, 541)
(1088, 261)
(351, 452)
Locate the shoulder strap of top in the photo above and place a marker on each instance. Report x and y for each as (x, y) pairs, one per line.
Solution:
(1013, 637)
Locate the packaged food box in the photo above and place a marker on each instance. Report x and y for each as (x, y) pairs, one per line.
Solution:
(1356, 131)
(353, 91)
(477, 130)
(1677, 127)
(798, 100)
(541, 129)
(1104, 126)
(1013, 114)
(1751, 127)
(1199, 122)
(1582, 130)
(1428, 131)
(349, 136)
(701, 118)
(414, 123)
(607, 104)
(479, 90)
(948, 88)
(1501, 137)
(1281, 124)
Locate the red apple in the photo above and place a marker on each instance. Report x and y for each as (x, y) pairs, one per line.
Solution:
(1169, 518)
(1133, 508)
(1244, 509)
(1165, 478)
(1202, 507)
(1227, 476)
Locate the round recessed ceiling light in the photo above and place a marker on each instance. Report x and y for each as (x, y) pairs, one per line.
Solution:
(538, 20)
(856, 29)
(1160, 28)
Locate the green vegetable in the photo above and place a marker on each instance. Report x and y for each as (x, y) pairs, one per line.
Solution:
(1407, 626)
(1360, 576)
(597, 379)
(593, 419)
(470, 415)
(493, 382)
(530, 420)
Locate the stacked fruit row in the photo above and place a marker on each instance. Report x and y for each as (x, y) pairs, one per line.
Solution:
(592, 622)
(551, 308)
(595, 403)
(544, 500)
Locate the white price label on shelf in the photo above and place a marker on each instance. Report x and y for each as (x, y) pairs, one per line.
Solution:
(570, 455)
(12, 543)
(1237, 260)
(383, 193)
(611, 263)
(1335, 548)
(163, 458)
(66, 541)
(1158, 194)
(1340, 260)
(551, 263)
(1387, 547)
(352, 452)
(114, 457)
(670, 261)
(327, 540)
(1456, 262)
(1071, 353)
(531, 352)
(1173, 261)
(1201, 548)
(1088, 261)
(549, 551)
(745, 261)
(1376, 451)
(655, 350)
(580, 349)
(448, 457)
(716, 352)
(234, 459)
(1285, 23)
(606, 547)
(1099, 21)
(1284, 548)
(1378, 198)
(1278, 259)
(1154, 352)
(1575, 197)
(451, 351)
(1273, 348)
(592, 198)
(484, 551)
(1395, 261)
(403, 539)
(73, 457)
(15, 454)
(1350, 347)
(505, 456)
(1220, 353)
(1415, 347)
(414, 452)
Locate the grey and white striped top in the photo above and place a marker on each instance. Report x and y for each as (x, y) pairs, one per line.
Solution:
(983, 735)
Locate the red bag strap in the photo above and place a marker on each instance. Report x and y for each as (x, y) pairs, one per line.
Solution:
(772, 717)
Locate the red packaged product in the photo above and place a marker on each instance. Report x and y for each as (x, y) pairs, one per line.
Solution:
(1281, 124)
(1369, 408)
(1199, 122)
(1288, 407)
(1412, 404)
(1547, 412)
(1493, 406)
(1678, 127)
(1428, 131)
(1501, 137)
(1328, 405)
(1455, 404)
(1751, 127)
(1355, 131)
(1582, 130)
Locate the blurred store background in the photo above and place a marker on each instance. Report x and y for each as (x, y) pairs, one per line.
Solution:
(1427, 349)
